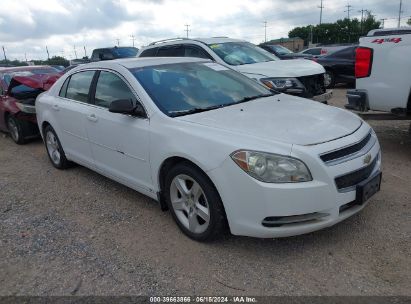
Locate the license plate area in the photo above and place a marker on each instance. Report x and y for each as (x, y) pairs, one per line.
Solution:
(368, 188)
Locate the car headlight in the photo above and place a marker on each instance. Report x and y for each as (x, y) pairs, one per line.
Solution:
(25, 108)
(282, 84)
(272, 168)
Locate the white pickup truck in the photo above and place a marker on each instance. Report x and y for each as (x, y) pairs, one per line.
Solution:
(383, 73)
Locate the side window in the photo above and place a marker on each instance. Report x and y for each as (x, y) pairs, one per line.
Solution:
(171, 51)
(63, 89)
(149, 53)
(79, 85)
(110, 87)
(193, 51)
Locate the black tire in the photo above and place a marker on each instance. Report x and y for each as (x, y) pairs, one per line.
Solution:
(331, 83)
(17, 129)
(217, 219)
(62, 162)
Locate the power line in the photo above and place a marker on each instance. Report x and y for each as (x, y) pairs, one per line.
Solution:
(187, 30)
(349, 8)
(75, 52)
(321, 11)
(85, 52)
(48, 54)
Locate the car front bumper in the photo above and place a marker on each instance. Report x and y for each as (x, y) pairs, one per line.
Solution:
(270, 210)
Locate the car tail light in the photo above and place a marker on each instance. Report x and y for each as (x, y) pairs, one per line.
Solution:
(363, 62)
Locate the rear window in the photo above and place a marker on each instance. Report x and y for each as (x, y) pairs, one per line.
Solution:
(149, 53)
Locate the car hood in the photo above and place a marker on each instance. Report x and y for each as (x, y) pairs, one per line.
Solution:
(282, 68)
(40, 81)
(281, 118)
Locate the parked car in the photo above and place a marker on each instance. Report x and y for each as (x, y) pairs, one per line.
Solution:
(323, 50)
(382, 70)
(111, 53)
(282, 52)
(212, 145)
(19, 87)
(296, 77)
(339, 66)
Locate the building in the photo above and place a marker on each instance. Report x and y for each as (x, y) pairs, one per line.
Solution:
(294, 44)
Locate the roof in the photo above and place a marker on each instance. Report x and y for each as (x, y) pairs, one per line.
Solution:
(173, 41)
(284, 40)
(390, 31)
(130, 63)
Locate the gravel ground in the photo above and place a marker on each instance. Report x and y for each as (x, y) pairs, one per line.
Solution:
(76, 232)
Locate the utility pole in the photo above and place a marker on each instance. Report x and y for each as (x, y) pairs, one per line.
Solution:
(118, 41)
(362, 11)
(4, 52)
(132, 39)
(187, 30)
(399, 14)
(75, 52)
(48, 54)
(321, 11)
(25, 56)
(85, 52)
(349, 8)
(265, 31)
(382, 22)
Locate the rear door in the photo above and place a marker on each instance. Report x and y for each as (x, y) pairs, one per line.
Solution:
(119, 142)
(71, 109)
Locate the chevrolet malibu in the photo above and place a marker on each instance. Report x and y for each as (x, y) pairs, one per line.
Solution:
(211, 145)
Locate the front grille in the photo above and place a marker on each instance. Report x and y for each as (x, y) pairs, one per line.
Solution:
(346, 151)
(356, 177)
(314, 85)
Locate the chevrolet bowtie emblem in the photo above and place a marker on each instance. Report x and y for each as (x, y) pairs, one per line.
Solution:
(367, 159)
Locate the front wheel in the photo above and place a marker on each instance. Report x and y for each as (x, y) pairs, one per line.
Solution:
(16, 129)
(54, 149)
(194, 202)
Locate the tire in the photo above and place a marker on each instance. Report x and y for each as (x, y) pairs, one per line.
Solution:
(194, 203)
(17, 130)
(329, 79)
(54, 149)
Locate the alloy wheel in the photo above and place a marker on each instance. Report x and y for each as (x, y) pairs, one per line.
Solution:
(13, 128)
(190, 203)
(53, 147)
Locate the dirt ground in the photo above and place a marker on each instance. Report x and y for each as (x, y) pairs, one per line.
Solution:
(76, 232)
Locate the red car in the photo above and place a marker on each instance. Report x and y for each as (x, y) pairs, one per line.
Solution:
(19, 87)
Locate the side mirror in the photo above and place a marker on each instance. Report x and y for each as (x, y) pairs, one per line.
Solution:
(127, 106)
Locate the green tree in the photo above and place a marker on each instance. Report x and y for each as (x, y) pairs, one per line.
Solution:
(409, 21)
(342, 31)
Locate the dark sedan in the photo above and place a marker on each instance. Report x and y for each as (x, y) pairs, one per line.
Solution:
(282, 52)
(339, 66)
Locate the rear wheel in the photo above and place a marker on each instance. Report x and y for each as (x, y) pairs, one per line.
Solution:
(329, 79)
(16, 129)
(54, 149)
(194, 202)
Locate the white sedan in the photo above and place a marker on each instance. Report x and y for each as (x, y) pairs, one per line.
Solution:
(211, 145)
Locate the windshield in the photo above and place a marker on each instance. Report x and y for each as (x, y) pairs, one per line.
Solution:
(125, 52)
(238, 53)
(280, 49)
(184, 88)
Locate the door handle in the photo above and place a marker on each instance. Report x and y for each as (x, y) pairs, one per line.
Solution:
(92, 117)
(56, 107)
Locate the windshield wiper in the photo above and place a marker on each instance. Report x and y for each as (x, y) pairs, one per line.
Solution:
(248, 98)
(195, 110)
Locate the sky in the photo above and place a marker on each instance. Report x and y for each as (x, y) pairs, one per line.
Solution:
(66, 27)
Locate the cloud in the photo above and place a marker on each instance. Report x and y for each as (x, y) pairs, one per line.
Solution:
(27, 26)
